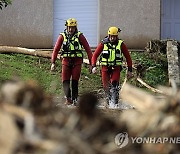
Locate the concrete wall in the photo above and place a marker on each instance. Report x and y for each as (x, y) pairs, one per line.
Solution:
(138, 19)
(27, 23)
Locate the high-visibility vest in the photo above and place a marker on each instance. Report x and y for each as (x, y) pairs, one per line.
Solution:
(71, 46)
(111, 54)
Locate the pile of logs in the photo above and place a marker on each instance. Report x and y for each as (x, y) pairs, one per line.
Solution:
(153, 117)
(158, 46)
(31, 122)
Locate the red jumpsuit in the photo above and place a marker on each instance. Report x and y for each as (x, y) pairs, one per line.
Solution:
(71, 67)
(111, 76)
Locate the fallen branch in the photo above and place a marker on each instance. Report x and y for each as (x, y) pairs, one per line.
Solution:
(143, 83)
(150, 68)
(125, 80)
(148, 86)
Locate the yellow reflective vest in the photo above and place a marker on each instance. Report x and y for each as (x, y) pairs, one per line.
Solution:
(111, 54)
(71, 46)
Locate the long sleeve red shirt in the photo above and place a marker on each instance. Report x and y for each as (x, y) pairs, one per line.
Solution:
(59, 43)
(124, 50)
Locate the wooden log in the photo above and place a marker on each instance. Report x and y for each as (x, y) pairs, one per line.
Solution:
(26, 51)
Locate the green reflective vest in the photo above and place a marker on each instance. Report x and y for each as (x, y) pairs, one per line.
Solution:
(111, 54)
(71, 46)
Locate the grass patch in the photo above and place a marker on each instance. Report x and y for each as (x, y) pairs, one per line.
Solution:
(37, 68)
(156, 68)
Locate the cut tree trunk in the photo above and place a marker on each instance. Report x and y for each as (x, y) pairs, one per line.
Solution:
(33, 52)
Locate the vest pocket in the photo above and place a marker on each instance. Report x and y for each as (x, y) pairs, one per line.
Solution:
(65, 48)
(118, 55)
(105, 54)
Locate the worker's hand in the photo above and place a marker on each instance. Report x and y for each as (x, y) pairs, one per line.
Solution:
(61, 57)
(129, 75)
(94, 70)
(90, 68)
(53, 66)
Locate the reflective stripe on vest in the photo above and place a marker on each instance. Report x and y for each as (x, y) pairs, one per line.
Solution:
(112, 54)
(71, 47)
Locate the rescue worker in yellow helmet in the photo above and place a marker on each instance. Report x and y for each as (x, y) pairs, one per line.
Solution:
(72, 42)
(112, 49)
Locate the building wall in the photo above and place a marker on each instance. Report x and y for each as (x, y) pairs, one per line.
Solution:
(138, 19)
(27, 23)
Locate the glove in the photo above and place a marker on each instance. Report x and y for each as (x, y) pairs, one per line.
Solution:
(52, 67)
(90, 68)
(129, 75)
(94, 70)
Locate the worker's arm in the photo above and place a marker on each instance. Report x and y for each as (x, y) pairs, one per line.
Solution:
(128, 60)
(86, 46)
(127, 56)
(56, 49)
(96, 54)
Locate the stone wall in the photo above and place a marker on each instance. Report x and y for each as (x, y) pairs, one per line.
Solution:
(173, 61)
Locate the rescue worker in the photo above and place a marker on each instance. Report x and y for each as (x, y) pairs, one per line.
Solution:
(72, 42)
(112, 50)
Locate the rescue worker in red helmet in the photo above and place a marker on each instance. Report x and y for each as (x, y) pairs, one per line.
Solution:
(72, 42)
(112, 50)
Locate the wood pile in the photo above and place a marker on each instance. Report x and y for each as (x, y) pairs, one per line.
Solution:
(37, 125)
(153, 117)
(158, 46)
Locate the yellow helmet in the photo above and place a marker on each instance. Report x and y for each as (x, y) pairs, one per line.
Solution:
(113, 31)
(71, 22)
